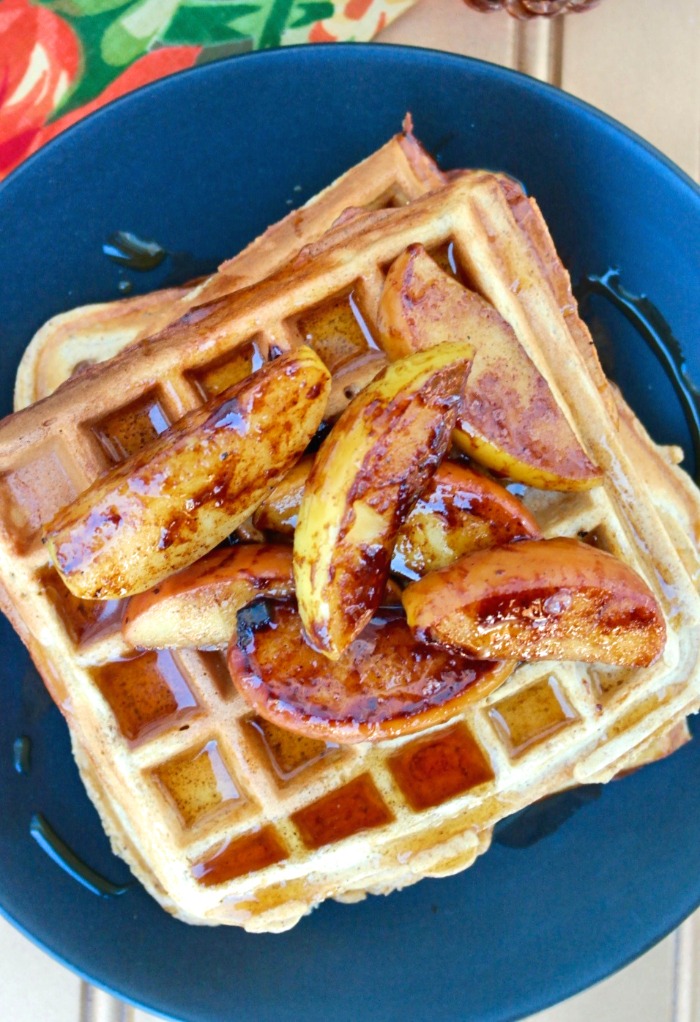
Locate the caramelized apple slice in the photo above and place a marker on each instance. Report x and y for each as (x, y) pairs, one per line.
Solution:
(510, 421)
(458, 512)
(180, 496)
(552, 599)
(366, 476)
(385, 684)
(196, 608)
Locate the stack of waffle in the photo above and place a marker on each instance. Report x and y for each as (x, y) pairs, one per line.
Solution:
(227, 818)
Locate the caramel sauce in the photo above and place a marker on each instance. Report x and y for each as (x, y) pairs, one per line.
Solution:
(84, 620)
(539, 604)
(129, 430)
(288, 753)
(197, 784)
(126, 249)
(438, 767)
(355, 807)
(236, 366)
(545, 817)
(246, 854)
(336, 330)
(531, 715)
(657, 334)
(146, 693)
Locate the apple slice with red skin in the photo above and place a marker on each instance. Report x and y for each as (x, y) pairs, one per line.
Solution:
(384, 684)
(509, 421)
(551, 599)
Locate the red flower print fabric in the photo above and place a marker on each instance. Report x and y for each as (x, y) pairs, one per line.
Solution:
(62, 59)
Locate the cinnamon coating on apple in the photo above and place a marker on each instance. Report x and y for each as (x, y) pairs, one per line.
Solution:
(509, 420)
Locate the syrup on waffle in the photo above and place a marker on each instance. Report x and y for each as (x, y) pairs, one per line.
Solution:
(223, 816)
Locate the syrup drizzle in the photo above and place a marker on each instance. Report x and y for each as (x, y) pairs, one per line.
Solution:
(659, 337)
(127, 249)
(132, 253)
(21, 751)
(57, 850)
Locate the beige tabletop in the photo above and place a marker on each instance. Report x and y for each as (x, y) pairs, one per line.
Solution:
(638, 60)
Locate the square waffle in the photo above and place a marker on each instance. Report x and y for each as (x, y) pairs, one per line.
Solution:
(227, 819)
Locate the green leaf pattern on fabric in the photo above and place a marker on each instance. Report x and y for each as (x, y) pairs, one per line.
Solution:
(231, 20)
(115, 33)
(139, 26)
(136, 29)
(90, 7)
(219, 26)
(311, 12)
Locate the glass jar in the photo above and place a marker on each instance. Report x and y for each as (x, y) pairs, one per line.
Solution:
(533, 8)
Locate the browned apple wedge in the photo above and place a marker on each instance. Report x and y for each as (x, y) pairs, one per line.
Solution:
(552, 599)
(196, 608)
(458, 512)
(509, 421)
(385, 684)
(180, 496)
(366, 476)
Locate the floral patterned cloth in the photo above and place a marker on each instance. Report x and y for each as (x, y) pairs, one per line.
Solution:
(62, 59)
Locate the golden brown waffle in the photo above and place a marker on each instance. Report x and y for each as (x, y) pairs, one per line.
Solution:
(229, 820)
(398, 172)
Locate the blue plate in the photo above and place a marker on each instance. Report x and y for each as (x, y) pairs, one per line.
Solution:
(202, 162)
